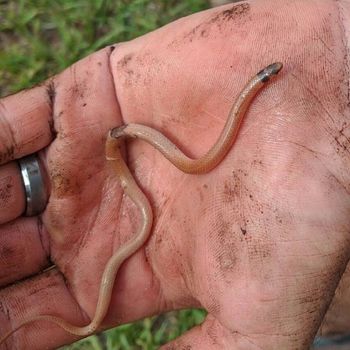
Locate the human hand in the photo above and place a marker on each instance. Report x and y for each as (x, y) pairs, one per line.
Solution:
(260, 242)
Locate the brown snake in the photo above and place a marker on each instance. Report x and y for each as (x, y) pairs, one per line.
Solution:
(191, 166)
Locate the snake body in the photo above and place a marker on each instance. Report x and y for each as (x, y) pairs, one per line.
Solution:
(204, 164)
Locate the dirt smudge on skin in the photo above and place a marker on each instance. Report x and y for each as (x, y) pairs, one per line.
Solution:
(44, 285)
(224, 237)
(235, 14)
(63, 184)
(342, 139)
(178, 346)
(212, 304)
(227, 253)
(241, 226)
(233, 187)
(257, 249)
(44, 243)
(123, 63)
(7, 252)
(78, 90)
(223, 244)
(8, 154)
(212, 333)
(231, 191)
(52, 128)
(6, 186)
(130, 66)
(79, 86)
(142, 68)
(51, 92)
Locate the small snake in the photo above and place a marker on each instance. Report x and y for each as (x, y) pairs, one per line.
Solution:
(191, 166)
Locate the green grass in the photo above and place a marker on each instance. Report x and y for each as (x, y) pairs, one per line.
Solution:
(39, 38)
(148, 334)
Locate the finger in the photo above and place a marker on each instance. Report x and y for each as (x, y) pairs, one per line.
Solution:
(45, 294)
(26, 122)
(12, 199)
(24, 249)
(50, 294)
(211, 335)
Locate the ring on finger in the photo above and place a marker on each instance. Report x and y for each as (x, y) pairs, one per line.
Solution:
(35, 184)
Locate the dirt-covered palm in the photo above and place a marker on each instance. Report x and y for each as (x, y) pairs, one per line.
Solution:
(260, 242)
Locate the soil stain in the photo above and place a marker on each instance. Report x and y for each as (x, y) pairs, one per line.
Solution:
(234, 14)
(6, 186)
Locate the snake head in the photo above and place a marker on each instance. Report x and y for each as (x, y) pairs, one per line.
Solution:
(267, 73)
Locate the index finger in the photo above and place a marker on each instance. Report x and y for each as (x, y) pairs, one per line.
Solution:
(26, 122)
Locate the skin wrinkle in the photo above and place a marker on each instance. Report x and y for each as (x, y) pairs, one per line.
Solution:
(84, 238)
(51, 93)
(157, 237)
(346, 56)
(13, 256)
(300, 81)
(315, 155)
(83, 313)
(43, 241)
(345, 45)
(154, 270)
(330, 130)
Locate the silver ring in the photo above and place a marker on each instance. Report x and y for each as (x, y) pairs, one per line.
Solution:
(35, 184)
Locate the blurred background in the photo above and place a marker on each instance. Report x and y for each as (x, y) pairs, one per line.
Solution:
(39, 38)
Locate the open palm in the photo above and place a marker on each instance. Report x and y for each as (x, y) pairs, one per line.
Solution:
(260, 242)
